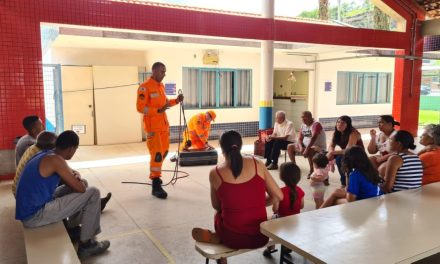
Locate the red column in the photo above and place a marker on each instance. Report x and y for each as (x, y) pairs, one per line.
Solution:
(407, 80)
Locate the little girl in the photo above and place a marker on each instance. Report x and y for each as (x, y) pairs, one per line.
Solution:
(293, 200)
(319, 176)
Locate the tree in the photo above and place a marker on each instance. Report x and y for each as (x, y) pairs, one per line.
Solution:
(381, 20)
(323, 9)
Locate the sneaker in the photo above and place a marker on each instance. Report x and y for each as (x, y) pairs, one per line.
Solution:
(105, 200)
(173, 158)
(92, 247)
(157, 190)
(268, 162)
(272, 167)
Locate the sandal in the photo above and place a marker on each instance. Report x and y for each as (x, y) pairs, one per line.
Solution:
(268, 252)
(205, 235)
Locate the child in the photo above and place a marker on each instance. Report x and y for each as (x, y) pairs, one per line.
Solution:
(293, 200)
(318, 177)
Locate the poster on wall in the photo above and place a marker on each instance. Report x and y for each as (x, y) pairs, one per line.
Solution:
(328, 86)
(79, 129)
(170, 88)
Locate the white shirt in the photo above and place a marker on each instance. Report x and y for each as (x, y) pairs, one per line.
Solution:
(285, 129)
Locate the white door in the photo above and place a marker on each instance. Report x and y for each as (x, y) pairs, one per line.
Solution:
(117, 120)
(78, 106)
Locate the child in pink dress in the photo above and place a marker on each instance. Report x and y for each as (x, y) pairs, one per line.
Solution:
(321, 168)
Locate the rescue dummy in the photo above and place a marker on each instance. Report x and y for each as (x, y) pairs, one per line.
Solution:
(152, 103)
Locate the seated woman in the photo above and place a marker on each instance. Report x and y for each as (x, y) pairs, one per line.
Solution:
(345, 136)
(403, 170)
(380, 143)
(363, 179)
(238, 194)
(430, 154)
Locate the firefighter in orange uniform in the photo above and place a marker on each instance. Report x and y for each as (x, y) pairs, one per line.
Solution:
(152, 103)
(198, 131)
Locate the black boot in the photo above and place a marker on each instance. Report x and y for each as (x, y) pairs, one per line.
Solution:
(157, 190)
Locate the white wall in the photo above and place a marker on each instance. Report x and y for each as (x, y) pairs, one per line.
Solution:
(176, 59)
(327, 71)
(322, 104)
(80, 56)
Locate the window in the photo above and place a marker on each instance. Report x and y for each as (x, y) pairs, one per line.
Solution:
(363, 88)
(216, 88)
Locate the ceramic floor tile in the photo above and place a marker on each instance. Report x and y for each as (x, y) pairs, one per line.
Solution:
(21, 260)
(131, 248)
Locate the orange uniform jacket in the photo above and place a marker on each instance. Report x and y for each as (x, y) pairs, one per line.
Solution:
(198, 129)
(151, 97)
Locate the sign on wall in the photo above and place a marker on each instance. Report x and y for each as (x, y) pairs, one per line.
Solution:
(170, 88)
(328, 86)
(79, 129)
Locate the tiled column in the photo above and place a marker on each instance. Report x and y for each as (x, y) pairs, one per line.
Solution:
(21, 82)
(266, 74)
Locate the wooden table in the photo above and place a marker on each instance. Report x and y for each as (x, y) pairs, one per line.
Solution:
(401, 227)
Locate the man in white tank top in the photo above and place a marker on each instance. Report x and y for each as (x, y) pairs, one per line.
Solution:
(311, 139)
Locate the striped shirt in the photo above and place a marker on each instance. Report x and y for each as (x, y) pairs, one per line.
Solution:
(409, 176)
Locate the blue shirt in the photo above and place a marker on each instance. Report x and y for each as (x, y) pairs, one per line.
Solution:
(34, 190)
(361, 187)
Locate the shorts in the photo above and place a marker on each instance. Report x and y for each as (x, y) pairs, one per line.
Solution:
(318, 190)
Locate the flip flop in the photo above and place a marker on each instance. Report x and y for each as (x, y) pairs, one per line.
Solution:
(205, 235)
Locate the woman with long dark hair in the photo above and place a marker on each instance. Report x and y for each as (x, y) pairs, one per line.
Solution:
(363, 178)
(238, 194)
(345, 136)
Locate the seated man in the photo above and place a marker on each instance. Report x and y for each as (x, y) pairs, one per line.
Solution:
(283, 135)
(40, 201)
(33, 126)
(197, 132)
(311, 140)
(45, 141)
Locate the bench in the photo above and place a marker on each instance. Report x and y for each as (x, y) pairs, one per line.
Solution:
(49, 244)
(218, 251)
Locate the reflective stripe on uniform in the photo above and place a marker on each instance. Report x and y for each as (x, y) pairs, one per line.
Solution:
(155, 169)
(146, 110)
(150, 134)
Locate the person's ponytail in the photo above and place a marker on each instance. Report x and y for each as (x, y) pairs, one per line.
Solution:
(236, 161)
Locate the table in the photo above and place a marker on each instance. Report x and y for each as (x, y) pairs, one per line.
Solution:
(401, 227)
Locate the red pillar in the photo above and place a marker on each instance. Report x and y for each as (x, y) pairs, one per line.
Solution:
(407, 78)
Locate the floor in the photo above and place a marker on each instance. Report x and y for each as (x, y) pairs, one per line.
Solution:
(141, 228)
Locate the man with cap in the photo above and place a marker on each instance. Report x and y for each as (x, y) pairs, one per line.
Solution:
(198, 130)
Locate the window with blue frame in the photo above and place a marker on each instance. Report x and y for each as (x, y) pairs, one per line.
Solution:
(363, 88)
(217, 88)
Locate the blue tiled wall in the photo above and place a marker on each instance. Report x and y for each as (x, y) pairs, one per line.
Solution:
(246, 129)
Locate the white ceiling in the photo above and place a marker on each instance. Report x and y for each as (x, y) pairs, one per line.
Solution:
(104, 38)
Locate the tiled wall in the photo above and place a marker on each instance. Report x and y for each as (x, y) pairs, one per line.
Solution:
(246, 129)
(431, 43)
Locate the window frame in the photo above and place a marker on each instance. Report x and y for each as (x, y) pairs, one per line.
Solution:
(217, 71)
(347, 97)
